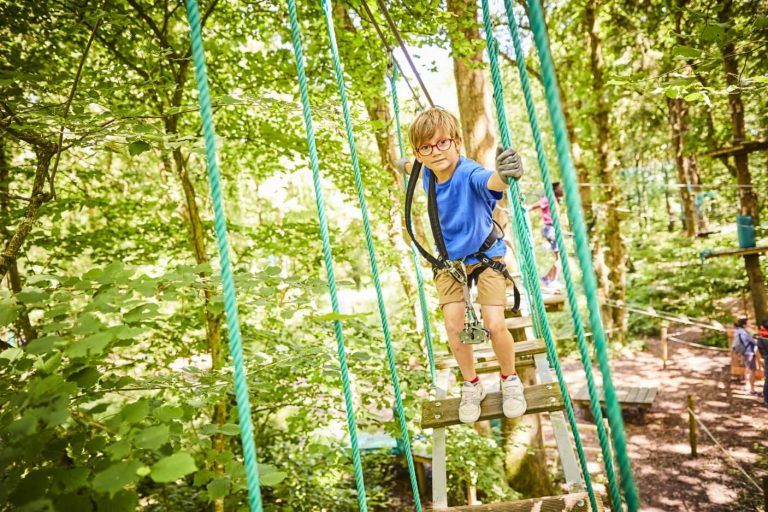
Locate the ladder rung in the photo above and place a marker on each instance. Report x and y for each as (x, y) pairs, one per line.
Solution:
(523, 351)
(577, 502)
(445, 412)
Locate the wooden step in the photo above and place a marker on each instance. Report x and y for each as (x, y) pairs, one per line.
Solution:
(552, 301)
(485, 358)
(486, 354)
(445, 412)
(576, 502)
(519, 322)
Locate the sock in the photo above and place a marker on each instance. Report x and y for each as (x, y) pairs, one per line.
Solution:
(505, 377)
(473, 381)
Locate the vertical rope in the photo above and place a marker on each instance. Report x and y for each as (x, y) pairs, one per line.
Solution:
(416, 261)
(327, 12)
(573, 203)
(327, 255)
(220, 224)
(573, 305)
(527, 250)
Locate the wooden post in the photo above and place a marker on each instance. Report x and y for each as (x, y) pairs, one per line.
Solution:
(692, 424)
(664, 353)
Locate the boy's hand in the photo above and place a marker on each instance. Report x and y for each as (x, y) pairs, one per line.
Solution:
(403, 165)
(508, 164)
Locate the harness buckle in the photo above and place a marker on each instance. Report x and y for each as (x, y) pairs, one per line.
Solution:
(474, 333)
(457, 271)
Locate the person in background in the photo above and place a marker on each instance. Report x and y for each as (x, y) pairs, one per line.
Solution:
(762, 348)
(548, 231)
(745, 345)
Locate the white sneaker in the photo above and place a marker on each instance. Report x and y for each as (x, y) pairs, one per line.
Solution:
(513, 400)
(471, 397)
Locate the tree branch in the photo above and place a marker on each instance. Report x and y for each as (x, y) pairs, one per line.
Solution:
(76, 82)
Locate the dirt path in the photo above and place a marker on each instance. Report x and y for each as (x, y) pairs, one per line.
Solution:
(668, 478)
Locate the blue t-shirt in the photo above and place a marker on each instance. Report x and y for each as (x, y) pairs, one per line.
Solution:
(465, 205)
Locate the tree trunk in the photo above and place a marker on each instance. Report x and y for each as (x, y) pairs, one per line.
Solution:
(477, 132)
(14, 279)
(683, 162)
(525, 463)
(615, 254)
(379, 112)
(747, 196)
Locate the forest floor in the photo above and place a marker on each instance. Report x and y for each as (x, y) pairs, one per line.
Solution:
(668, 478)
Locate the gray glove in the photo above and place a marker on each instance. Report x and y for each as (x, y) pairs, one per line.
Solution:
(508, 164)
(403, 165)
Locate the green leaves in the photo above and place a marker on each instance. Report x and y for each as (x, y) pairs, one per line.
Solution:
(152, 438)
(173, 467)
(9, 310)
(138, 147)
(116, 477)
(269, 476)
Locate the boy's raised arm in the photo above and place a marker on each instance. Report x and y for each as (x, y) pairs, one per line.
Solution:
(509, 165)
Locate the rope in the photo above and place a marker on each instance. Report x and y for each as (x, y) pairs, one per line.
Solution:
(327, 255)
(220, 224)
(375, 24)
(327, 13)
(735, 462)
(529, 264)
(573, 304)
(573, 203)
(383, 8)
(416, 261)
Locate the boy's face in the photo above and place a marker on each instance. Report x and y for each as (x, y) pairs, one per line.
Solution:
(440, 160)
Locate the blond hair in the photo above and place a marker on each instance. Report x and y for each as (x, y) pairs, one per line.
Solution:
(429, 122)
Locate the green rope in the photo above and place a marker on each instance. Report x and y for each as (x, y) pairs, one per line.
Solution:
(327, 12)
(573, 305)
(220, 224)
(416, 260)
(327, 255)
(529, 264)
(573, 203)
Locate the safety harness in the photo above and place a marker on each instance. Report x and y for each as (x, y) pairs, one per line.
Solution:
(473, 332)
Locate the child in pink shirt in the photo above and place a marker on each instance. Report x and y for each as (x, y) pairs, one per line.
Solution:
(548, 231)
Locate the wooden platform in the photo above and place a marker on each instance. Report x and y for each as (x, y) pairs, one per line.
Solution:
(640, 397)
(519, 322)
(734, 252)
(552, 301)
(485, 358)
(577, 502)
(445, 412)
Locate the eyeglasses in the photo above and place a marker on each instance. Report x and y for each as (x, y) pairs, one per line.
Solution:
(442, 145)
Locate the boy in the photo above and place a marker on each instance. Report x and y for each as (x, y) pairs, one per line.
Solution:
(548, 231)
(466, 195)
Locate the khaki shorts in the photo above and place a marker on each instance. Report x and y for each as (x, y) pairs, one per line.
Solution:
(491, 287)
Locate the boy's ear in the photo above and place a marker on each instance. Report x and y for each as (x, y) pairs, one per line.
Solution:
(457, 141)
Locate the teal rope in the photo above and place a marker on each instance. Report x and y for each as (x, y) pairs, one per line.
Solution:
(327, 12)
(416, 260)
(573, 305)
(327, 255)
(220, 223)
(529, 266)
(573, 203)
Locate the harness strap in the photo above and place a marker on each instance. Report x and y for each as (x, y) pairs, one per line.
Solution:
(443, 261)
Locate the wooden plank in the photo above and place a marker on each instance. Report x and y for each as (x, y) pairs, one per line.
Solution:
(519, 322)
(552, 302)
(523, 349)
(443, 413)
(734, 252)
(745, 147)
(628, 396)
(578, 502)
